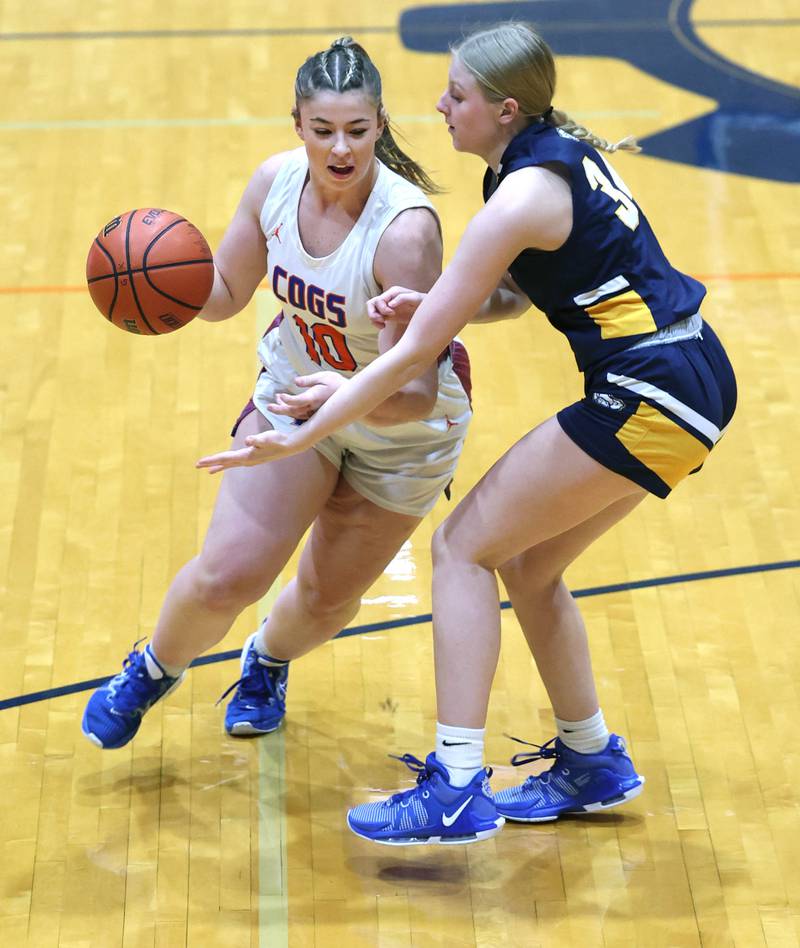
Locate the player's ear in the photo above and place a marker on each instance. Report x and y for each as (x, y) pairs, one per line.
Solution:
(509, 110)
(383, 120)
(298, 125)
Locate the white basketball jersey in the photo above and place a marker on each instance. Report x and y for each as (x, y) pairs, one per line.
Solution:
(324, 299)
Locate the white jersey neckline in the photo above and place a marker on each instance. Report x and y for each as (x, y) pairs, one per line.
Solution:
(358, 226)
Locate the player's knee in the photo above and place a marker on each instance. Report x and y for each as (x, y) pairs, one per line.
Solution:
(444, 545)
(224, 587)
(529, 575)
(323, 603)
(454, 543)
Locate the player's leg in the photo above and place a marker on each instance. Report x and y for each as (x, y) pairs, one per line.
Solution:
(591, 768)
(545, 485)
(542, 487)
(260, 516)
(387, 484)
(351, 543)
(549, 617)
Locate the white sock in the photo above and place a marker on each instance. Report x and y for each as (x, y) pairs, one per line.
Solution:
(589, 736)
(156, 668)
(460, 751)
(261, 647)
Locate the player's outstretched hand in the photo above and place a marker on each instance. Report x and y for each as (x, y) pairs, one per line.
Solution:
(319, 388)
(266, 446)
(397, 304)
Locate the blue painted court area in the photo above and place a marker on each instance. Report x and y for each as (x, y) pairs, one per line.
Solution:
(755, 128)
(57, 692)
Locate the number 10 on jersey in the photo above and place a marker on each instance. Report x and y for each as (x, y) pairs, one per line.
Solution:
(323, 342)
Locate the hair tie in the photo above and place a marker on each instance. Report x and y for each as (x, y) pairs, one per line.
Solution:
(547, 113)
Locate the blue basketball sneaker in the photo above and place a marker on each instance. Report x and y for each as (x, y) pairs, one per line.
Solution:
(114, 712)
(430, 812)
(576, 783)
(259, 705)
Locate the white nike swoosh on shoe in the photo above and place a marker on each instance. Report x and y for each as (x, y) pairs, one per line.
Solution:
(448, 820)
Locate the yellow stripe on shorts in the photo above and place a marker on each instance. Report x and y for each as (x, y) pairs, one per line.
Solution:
(623, 315)
(661, 445)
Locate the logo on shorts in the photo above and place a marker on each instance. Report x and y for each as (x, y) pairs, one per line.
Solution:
(608, 401)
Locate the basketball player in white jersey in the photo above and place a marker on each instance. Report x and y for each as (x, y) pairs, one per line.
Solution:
(330, 225)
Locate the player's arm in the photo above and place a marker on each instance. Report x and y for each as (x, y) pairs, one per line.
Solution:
(531, 208)
(507, 301)
(240, 262)
(409, 254)
(398, 304)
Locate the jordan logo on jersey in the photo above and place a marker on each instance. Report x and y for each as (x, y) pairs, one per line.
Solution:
(275, 232)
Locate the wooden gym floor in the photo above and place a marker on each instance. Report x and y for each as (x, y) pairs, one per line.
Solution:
(187, 837)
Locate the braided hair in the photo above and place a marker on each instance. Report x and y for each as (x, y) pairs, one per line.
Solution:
(343, 66)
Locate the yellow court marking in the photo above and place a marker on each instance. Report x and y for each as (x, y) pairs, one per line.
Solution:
(273, 894)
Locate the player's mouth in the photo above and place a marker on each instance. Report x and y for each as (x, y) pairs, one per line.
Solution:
(341, 171)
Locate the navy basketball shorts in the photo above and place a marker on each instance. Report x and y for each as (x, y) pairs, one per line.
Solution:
(653, 414)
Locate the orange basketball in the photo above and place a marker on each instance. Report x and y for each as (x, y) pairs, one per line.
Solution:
(149, 271)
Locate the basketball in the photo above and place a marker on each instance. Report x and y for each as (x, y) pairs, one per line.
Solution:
(149, 271)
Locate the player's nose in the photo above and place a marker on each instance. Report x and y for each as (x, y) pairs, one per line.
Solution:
(341, 147)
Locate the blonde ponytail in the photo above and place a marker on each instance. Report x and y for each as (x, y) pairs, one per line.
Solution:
(559, 119)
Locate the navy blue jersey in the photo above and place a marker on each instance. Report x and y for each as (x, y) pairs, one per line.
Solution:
(609, 284)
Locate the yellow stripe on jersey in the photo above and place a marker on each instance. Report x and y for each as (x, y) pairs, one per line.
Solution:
(666, 448)
(623, 315)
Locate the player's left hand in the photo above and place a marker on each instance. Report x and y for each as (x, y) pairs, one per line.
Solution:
(319, 386)
(267, 446)
(397, 304)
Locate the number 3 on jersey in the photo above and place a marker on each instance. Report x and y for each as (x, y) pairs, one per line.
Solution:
(324, 342)
(627, 211)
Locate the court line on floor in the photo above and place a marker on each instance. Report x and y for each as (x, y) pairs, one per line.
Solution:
(234, 33)
(249, 32)
(255, 121)
(273, 885)
(721, 277)
(58, 692)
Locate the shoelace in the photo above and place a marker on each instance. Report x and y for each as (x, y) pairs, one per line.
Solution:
(136, 690)
(255, 680)
(543, 751)
(419, 767)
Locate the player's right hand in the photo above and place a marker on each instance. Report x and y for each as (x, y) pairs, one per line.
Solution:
(259, 448)
(397, 304)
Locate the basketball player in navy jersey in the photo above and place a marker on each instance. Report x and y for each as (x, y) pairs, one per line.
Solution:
(561, 230)
(330, 224)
